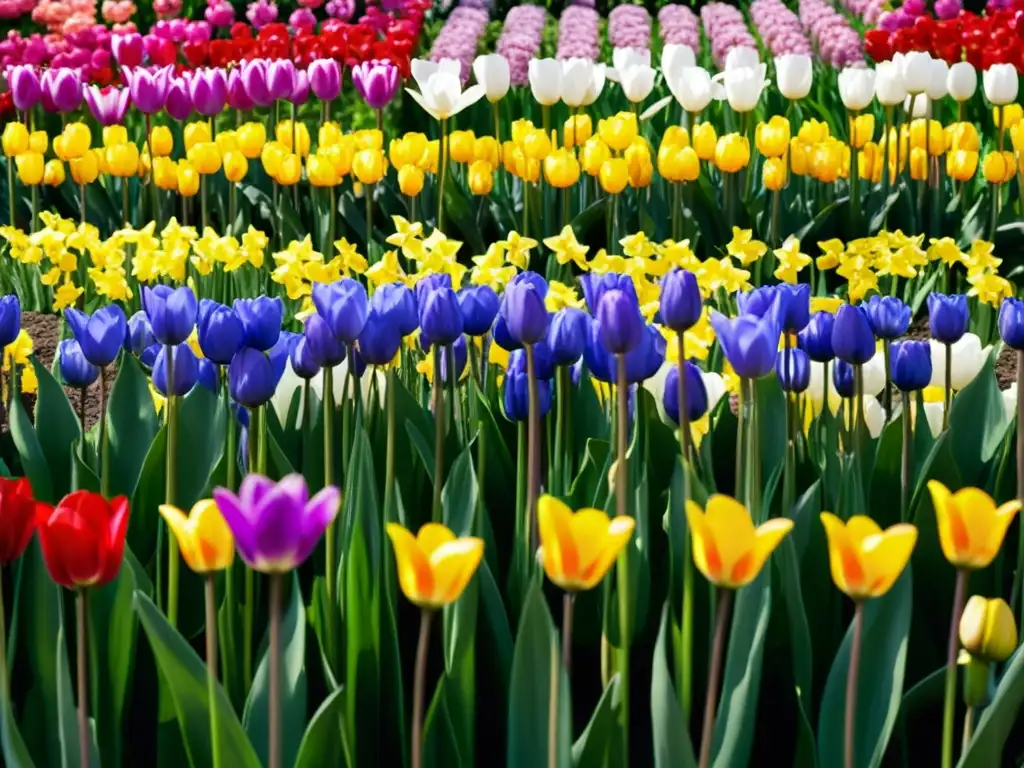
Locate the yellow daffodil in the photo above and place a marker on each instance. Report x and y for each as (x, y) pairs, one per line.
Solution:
(387, 270)
(204, 538)
(578, 548)
(568, 249)
(791, 260)
(865, 560)
(561, 296)
(744, 248)
(727, 548)
(826, 304)
(971, 527)
(434, 566)
(517, 249)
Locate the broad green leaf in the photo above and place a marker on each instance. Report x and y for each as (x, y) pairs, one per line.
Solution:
(292, 702)
(672, 746)
(998, 720)
(440, 742)
(57, 428)
(12, 746)
(319, 746)
(201, 435)
(132, 425)
(33, 460)
(977, 420)
(185, 676)
(787, 566)
(594, 745)
(67, 721)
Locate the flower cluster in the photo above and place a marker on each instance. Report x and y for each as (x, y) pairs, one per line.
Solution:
(726, 29)
(579, 33)
(778, 27)
(868, 11)
(459, 37)
(520, 40)
(12, 9)
(629, 26)
(838, 44)
(678, 25)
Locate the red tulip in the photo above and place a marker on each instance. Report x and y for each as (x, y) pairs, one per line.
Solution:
(17, 517)
(83, 538)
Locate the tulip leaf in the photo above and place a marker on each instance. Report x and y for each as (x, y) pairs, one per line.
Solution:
(977, 420)
(33, 460)
(886, 628)
(57, 428)
(184, 674)
(921, 706)
(535, 655)
(440, 744)
(67, 720)
(672, 745)
(589, 487)
(150, 493)
(12, 745)
(593, 747)
(738, 704)
(319, 745)
(998, 720)
(787, 567)
(132, 423)
(201, 433)
(292, 702)
(459, 495)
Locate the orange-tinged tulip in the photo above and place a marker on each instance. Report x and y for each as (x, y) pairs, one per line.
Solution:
(434, 566)
(203, 536)
(727, 548)
(971, 527)
(577, 549)
(865, 560)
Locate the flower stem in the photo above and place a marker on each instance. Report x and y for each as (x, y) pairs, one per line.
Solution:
(104, 437)
(888, 381)
(418, 691)
(555, 673)
(331, 543)
(532, 446)
(211, 665)
(949, 705)
(621, 492)
(949, 387)
(10, 189)
(725, 597)
(250, 578)
(1015, 592)
(389, 461)
(905, 457)
(170, 496)
(851, 685)
(81, 642)
(686, 652)
(443, 149)
(439, 430)
(274, 699)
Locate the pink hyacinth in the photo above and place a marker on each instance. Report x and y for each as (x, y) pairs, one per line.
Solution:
(459, 36)
(838, 44)
(520, 40)
(579, 33)
(779, 28)
(678, 25)
(629, 26)
(726, 29)
(868, 11)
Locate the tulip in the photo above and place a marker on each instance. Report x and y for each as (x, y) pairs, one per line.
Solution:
(888, 316)
(577, 78)
(252, 378)
(148, 89)
(962, 81)
(440, 318)
(479, 306)
(17, 518)
(843, 379)
(620, 324)
(793, 370)
(732, 153)
(856, 88)
(727, 548)
(324, 79)
(109, 107)
(139, 335)
(10, 319)
(396, 302)
(204, 538)
(546, 80)
(380, 340)
(637, 81)
(890, 88)
(492, 73)
(743, 86)
(376, 82)
(281, 79)
(62, 89)
(523, 308)
(691, 87)
(681, 304)
(971, 527)
(220, 331)
(987, 629)
(185, 370)
(208, 89)
(696, 393)
(261, 320)
(516, 400)
(916, 69)
(171, 312)
(742, 56)
(910, 366)
(865, 560)
(343, 304)
(301, 359)
(276, 526)
(324, 348)
(254, 79)
(948, 317)
(852, 338)
(797, 303)
(1001, 83)
(938, 76)
(567, 335)
(15, 139)
(441, 95)
(749, 343)
(578, 548)
(434, 567)
(794, 73)
(675, 57)
(82, 538)
(26, 88)
(238, 97)
(100, 336)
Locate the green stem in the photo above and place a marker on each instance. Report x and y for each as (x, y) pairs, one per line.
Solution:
(419, 688)
(104, 437)
(725, 598)
(389, 461)
(81, 644)
(554, 677)
(211, 666)
(274, 652)
(886, 351)
(250, 577)
(686, 653)
(443, 149)
(949, 387)
(949, 704)
(852, 674)
(35, 208)
(10, 189)
(331, 543)
(1015, 592)
(439, 432)
(532, 446)
(124, 204)
(621, 509)
(170, 489)
(905, 458)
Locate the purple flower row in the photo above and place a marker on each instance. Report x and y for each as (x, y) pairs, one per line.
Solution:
(678, 25)
(629, 26)
(726, 29)
(868, 11)
(520, 40)
(579, 33)
(838, 44)
(779, 28)
(459, 37)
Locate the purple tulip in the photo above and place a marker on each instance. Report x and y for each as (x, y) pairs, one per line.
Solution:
(300, 94)
(238, 97)
(280, 79)
(23, 80)
(179, 100)
(62, 90)
(149, 88)
(209, 91)
(376, 81)
(254, 78)
(325, 79)
(108, 107)
(277, 526)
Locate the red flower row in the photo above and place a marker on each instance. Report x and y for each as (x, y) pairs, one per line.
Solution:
(995, 38)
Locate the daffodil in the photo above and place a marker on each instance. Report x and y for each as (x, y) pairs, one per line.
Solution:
(561, 296)
(971, 526)
(678, 254)
(865, 560)
(744, 248)
(517, 249)
(387, 270)
(791, 260)
(567, 248)
(203, 536)
(434, 567)
(578, 548)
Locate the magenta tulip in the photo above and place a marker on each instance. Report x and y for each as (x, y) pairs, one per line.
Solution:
(108, 107)
(62, 90)
(23, 80)
(376, 81)
(325, 79)
(209, 91)
(149, 88)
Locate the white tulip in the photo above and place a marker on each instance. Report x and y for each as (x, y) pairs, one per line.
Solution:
(675, 57)
(1010, 400)
(916, 68)
(962, 81)
(714, 385)
(920, 104)
(422, 69)
(741, 57)
(597, 78)
(873, 374)
(889, 86)
(938, 76)
(546, 80)
(968, 359)
(577, 75)
(441, 94)
(1001, 83)
(624, 58)
(933, 412)
(491, 71)
(816, 387)
(874, 415)
(637, 82)
(856, 88)
(290, 383)
(691, 86)
(743, 86)
(795, 73)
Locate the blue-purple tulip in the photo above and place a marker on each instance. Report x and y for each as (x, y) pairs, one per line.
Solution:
(397, 303)
(10, 319)
(440, 316)
(139, 335)
(171, 312)
(301, 359)
(380, 340)
(567, 335)
(516, 396)
(523, 308)
(503, 337)
(696, 393)
(323, 347)
(479, 306)
(186, 370)
(208, 377)
(251, 377)
(853, 341)
(620, 324)
(793, 370)
(75, 370)
(910, 365)
(749, 342)
(797, 304)
(888, 315)
(220, 331)
(816, 338)
(594, 287)
(760, 301)
(680, 302)
(1011, 323)
(261, 320)
(101, 336)
(948, 317)
(843, 378)
(343, 304)
(543, 364)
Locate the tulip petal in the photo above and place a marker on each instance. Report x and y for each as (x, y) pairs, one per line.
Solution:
(414, 574)
(860, 527)
(843, 558)
(705, 549)
(185, 537)
(212, 539)
(468, 98)
(766, 538)
(731, 528)
(317, 515)
(555, 526)
(886, 556)
(241, 527)
(589, 536)
(615, 540)
(118, 530)
(276, 534)
(997, 531)
(422, 101)
(432, 536)
(952, 536)
(453, 565)
(77, 544)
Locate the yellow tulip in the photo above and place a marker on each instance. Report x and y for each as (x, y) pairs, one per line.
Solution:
(918, 163)
(772, 138)
(290, 171)
(340, 154)
(188, 179)
(272, 155)
(536, 145)
(235, 165)
(283, 133)
(204, 538)
(321, 172)
(123, 160)
(593, 154)
(561, 169)
(486, 148)
(85, 169)
(165, 173)
(732, 153)
(368, 166)
(727, 548)
(163, 141)
(408, 150)
(865, 560)
(577, 549)
(863, 130)
(53, 173)
(577, 130)
(410, 180)
(704, 140)
(618, 131)
(614, 175)
(461, 146)
(971, 527)
(15, 139)
(987, 629)
(76, 140)
(205, 156)
(251, 138)
(774, 174)
(434, 566)
(114, 135)
(38, 141)
(481, 179)
(30, 167)
(677, 135)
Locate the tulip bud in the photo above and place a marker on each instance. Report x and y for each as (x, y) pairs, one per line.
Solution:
(162, 141)
(321, 172)
(918, 164)
(481, 179)
(165, 173)
(772, 138)
(205, 157)
(227, 141)
(461, 145)
(593, 155)
(618, 131)
(235, 165)
(705, 140)
(869, 162)
(486, 148)
(251, 138)
(123, 160)
(561, 169)
(614, 175)
(863, 130)
(283, 133)
(114, 135)
(38, 141)
(962, 164)
(30, 167)
(368, 166)
(994, 167)
(987, 629)
(290, 171)
(410, 180)
(197, 133)
(1011, 323)
(910, 365)
(774, 174)
(85, 169)
(272, 155)
(15, 139)
(76, 140)
(577, 130)
(732, 153)
(536, 145)
(188, 179)
(53, 173)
